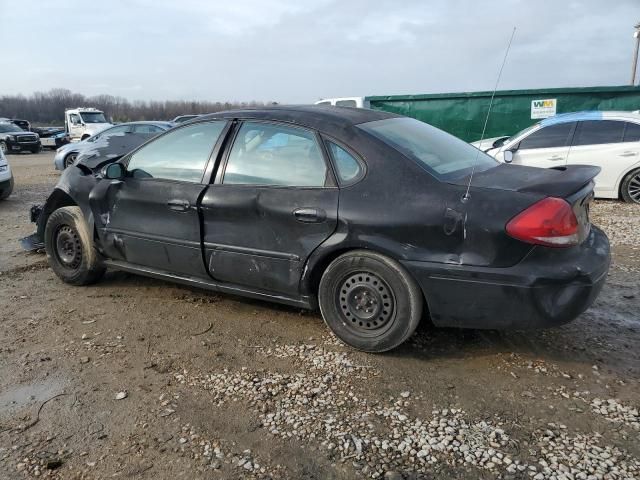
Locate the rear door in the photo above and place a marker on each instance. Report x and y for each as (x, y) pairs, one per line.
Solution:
(273, 202)
(547, 147)
(602, 143)
(150, 218)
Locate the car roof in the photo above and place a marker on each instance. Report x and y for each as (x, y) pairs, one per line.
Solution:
(329, 119)
(146, 122)
(590, 115)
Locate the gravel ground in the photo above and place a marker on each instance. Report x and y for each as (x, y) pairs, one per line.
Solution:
(137, 378)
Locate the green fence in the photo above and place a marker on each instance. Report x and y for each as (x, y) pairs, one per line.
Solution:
(463, 114)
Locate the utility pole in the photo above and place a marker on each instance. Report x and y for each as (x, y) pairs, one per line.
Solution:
(634, 67)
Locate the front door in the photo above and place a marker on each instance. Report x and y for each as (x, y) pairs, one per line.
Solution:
(609, 144)
(150, 218)
(272, 205)
(546, 148)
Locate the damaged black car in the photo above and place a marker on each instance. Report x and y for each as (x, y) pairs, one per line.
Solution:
(376, 219)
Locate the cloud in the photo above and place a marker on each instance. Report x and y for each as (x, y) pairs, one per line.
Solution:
(300, 50)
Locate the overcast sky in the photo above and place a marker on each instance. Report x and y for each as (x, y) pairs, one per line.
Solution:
(302, 50)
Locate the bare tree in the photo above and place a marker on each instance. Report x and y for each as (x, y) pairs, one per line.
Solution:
(48, 107)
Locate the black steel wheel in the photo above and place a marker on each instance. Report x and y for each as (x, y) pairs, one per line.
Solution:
(369, 301)
(70, 159)
(69, 246)
(630, 188)
(366, 302)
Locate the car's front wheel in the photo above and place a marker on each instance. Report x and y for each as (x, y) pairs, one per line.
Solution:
(369, 301)
(630, 188)
(70, 249)
(70, 159)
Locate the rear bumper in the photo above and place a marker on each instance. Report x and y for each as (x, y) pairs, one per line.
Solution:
(548, 287)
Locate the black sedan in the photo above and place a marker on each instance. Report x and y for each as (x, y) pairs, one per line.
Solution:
(366, 214)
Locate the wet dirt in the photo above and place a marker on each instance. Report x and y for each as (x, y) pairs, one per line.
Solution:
(202, 373)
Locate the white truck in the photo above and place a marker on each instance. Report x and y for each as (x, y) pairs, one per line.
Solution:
(359, 102)
(84, 122)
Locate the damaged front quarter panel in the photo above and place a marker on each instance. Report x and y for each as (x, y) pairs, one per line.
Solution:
(71, 190)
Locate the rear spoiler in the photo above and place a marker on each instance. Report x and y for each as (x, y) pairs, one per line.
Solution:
(571, 179)
(557, 182)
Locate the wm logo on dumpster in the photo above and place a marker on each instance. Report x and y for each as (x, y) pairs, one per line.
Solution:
(543, 108)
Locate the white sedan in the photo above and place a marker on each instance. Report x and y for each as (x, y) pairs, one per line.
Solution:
(610, 140)
(6, 177)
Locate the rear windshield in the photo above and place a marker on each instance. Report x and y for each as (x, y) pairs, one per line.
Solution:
(443, 155)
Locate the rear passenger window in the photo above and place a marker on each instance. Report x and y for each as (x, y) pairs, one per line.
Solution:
(631, 132)
(598, 132)
(268, 154)
(347, 167)
(548, 137)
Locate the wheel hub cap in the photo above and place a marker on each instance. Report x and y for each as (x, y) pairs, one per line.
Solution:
(366, 301)
(68, 247)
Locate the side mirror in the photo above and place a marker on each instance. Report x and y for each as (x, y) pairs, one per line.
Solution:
(508, 156)
(113, 171)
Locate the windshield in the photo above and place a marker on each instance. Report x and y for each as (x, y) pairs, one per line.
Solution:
(93, 117)
(441, 154)
(10, 127)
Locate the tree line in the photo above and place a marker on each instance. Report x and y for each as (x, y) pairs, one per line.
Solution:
(47, 108)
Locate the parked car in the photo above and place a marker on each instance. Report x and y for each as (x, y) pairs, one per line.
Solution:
(184, 118)
(609, 140)
(15, 139)
(52, 137)
(112, 142)
(361, 212)
(23, 124)
(6, 177)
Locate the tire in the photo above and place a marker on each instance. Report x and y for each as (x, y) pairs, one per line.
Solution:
(70, 249)
(369, 301)
(5, 193)
(37, 149)
(70, 159)
(630, 187)
(3, 147)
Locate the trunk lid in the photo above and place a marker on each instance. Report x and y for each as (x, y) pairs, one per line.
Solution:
(573, 183)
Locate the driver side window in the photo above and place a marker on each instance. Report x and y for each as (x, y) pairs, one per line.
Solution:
(180, 155)
(558, 135)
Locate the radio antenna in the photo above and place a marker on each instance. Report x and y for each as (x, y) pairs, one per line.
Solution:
(486, 120)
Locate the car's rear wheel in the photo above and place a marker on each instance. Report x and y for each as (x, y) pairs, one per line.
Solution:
(369, 301)
(630, 187)
(69, 246)
(70, 159)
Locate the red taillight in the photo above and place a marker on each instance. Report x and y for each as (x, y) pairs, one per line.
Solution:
(549, 222)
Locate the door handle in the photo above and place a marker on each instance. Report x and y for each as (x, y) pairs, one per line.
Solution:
(556, 157)
(310, 215)
(179, 205)
(628, 154)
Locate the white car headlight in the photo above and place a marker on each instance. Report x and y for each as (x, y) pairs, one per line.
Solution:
(4, 168)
